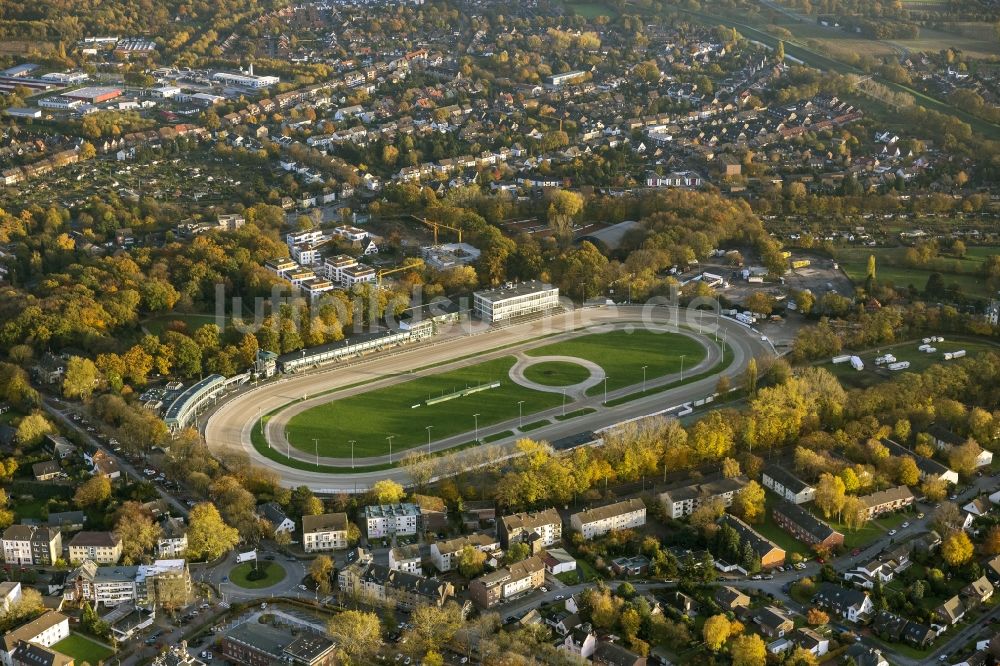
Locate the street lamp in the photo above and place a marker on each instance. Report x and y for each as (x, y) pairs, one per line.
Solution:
(352, 453)
(316, 447)
(644, 378)
(428, 429)
(519, 413)
(476, 416)
(288, 446)
(682, 367)
(605, 389)
(390, 447)
(564, 403)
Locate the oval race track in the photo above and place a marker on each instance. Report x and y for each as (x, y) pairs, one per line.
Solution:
(228, 427)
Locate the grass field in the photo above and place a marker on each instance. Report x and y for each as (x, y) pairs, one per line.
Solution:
(919, 361)
(591, 10)
(370, 417)
(623, 354)
(83, 650)
(556, 373)
(156, 325)
(275, 574)
(889, 269)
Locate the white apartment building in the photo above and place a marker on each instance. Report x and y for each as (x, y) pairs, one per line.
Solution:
(515, 300)
(391, 519)
(618, 516)
(406, 558)
(327, 531)
(46, 630)
(357, 275)
(173, 540)
(444, 554)
(334, 266)
(683, 501)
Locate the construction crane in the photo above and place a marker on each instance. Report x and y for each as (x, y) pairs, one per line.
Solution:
(543, 115)
(435, 225)
(390, 271)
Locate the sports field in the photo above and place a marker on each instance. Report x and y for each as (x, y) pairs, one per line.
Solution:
(401, 411)
(623, 354)
(369, 418)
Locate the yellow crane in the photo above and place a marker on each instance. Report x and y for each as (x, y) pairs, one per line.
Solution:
(543, 115)
(390, 271)
(434, 225)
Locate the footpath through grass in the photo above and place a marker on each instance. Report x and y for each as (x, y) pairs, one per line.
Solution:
(399, 411)
(623, 354)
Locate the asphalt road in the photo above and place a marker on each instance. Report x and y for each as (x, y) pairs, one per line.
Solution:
(227, 429)
(64, 415)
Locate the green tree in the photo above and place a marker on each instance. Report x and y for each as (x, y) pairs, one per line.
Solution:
(387, 491)
(208, 535)
(358, 634)
(81, 378)
(471, 561)
(321, 573)
(95, 491)
(138, 532)
(33, 428)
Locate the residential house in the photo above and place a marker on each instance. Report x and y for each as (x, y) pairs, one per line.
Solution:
(809, 640)
(45, 630)
(173, 540)
(580, 641)
(520, 526)
(684, 603)
(978, 591)
(405, 558)
(769, 553)
(104, 465)
(884, 501)
(274, 515)
(101, 547)
(951, 611)
(731, 599)
(46, 470)
(381, 584)
(928, 467)
(327, 531)
(612, 654)
(33, 654)
(773, 622)
(433, 512)
(10, 594)
(860, 654)
(806, 527)
(30, 544)
(67, 521)
(60, 447)
(444, 554)
(787, 485)
(503, 584)
(164, 582)
(601, 520)
(851, 604)
(683, 501)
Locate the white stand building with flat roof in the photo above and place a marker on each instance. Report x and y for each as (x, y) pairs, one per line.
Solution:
(515, 300)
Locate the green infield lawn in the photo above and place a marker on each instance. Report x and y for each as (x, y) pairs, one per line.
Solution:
(368, 418)
(623, 354)
(83, 650)
(556, 373)
(273, 573)
(591, 10)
